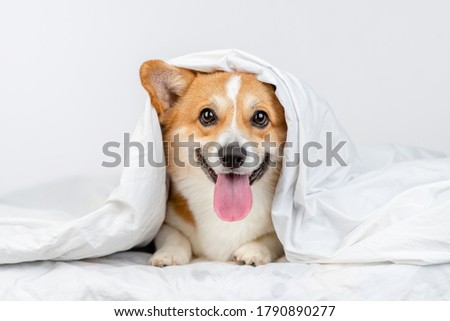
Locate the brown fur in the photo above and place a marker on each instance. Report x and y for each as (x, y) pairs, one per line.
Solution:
(180, 205)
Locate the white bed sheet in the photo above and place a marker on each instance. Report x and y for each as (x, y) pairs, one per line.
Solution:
(126, 276)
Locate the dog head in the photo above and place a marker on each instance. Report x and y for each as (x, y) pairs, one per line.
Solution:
(226, 128)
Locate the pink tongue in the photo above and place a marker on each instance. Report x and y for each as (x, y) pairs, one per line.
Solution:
(232, 197)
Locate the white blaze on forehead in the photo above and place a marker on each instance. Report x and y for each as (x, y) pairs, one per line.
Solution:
(233, 86)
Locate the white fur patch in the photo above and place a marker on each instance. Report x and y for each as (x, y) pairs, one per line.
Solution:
(233, 86)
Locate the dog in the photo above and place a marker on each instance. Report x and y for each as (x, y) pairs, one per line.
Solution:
(221, 191)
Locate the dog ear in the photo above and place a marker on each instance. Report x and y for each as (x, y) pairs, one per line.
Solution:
(164, 83)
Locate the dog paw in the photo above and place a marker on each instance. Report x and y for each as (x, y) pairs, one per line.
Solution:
(252, 254)
(168, 257)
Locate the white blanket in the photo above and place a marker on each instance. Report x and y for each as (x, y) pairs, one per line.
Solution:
(388, 204)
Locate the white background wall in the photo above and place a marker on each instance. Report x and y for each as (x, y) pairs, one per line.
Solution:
(69, 69)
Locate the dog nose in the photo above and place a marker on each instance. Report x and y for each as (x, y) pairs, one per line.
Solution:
(232, 155)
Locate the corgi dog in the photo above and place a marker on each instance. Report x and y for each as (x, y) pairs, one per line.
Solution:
(221, 189)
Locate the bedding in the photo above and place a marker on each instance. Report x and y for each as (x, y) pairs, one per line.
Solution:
(126, 276)
(371, 206)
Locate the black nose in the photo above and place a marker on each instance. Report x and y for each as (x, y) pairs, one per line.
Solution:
(232, 155)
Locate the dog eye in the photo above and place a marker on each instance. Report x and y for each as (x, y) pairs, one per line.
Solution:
(207, 117)
(260, 119)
